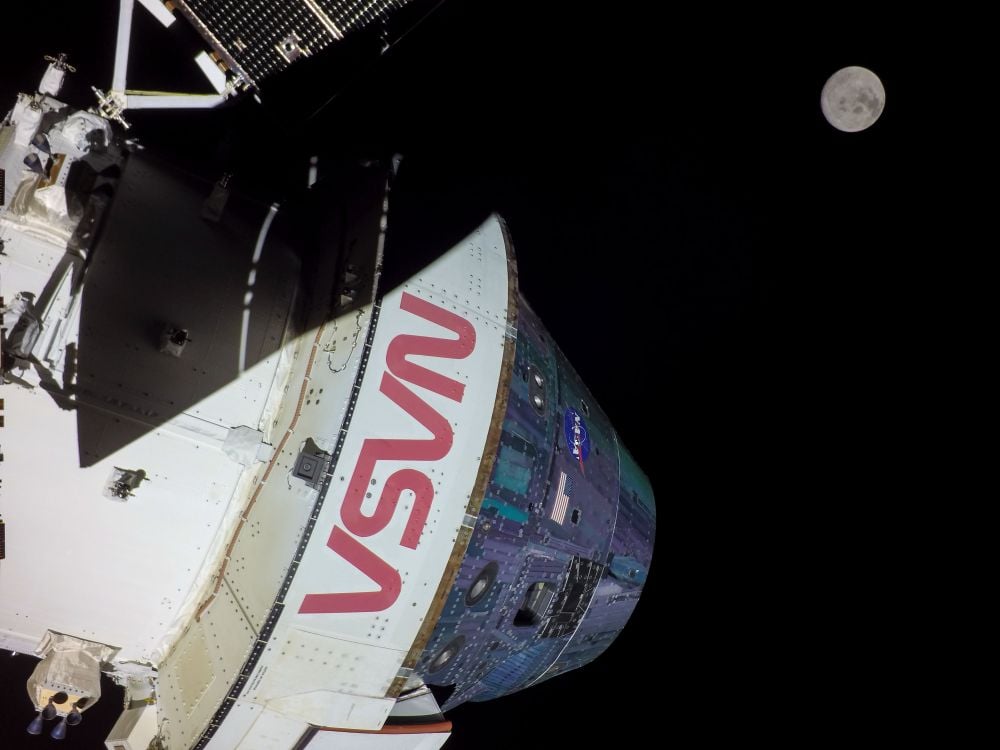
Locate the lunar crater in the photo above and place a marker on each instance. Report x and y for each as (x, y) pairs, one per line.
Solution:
(853, 99)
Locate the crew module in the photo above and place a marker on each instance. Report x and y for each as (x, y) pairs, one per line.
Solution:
(282, 496)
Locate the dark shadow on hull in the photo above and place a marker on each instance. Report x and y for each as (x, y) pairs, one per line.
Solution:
(434, 206)
(159, 265)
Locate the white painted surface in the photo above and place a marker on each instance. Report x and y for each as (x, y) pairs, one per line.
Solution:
(172, 101)
(271, 731)
(364, 650)
(239, 720)
(122, 42)
(79, 563)
(155, 556)
(357, 741)
(310, 662)
(215, 76)
(129, 574)
(251, 278)
(255, 553)
(195, 677)
(260, 557)
(148, 552)
(336, 709)
(52, 81)
(134, 730)
(473, 275)
(159, 11)
(421, 703)
(334, 670)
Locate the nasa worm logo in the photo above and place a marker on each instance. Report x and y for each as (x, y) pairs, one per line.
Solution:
(355, 523)
(577, 439)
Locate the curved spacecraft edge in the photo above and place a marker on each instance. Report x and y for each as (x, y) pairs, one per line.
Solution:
(276, 498)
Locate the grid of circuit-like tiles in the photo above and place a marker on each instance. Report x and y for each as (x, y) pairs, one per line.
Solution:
(253, 32)
(356, 14)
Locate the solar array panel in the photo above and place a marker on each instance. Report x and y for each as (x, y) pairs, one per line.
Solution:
(258, 38)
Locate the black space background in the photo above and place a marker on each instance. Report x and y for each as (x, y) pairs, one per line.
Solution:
(741, 286)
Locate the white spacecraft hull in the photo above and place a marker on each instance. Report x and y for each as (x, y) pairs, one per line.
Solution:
(254, 605)
(273, 488)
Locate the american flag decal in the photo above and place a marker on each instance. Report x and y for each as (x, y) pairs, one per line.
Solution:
(558, 513)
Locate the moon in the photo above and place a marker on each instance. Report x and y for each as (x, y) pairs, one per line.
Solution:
(852, 99)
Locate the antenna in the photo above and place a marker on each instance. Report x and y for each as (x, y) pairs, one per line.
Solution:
(52, 80)
(59, 63)
(110, 106)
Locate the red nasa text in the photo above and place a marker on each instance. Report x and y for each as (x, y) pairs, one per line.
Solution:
(356, 522)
